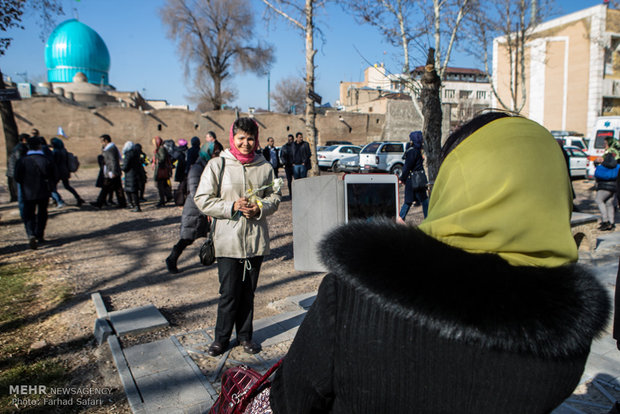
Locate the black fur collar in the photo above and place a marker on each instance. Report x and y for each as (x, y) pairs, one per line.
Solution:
(476, 298)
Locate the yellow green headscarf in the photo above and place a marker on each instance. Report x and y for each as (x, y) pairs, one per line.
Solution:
(505, 190)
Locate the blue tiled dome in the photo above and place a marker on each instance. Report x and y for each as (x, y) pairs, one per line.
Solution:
(74, 47)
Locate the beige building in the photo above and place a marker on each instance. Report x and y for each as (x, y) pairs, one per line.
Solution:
(572, 70)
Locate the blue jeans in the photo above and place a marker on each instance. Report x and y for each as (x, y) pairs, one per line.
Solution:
(299, 171)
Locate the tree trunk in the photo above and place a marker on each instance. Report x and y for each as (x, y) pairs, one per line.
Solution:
(8, 122)
(217, 93)
(431, 109)
(310, 113)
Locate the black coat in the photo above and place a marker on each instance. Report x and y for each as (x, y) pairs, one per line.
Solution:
(61, 163)
(194, 224)
(35, 174)
(18, 152)
(405, 323)
(132, 167)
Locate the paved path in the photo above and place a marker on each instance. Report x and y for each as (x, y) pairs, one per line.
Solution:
(175, 375)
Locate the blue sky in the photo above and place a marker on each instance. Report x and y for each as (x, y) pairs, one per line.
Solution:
(144, 59)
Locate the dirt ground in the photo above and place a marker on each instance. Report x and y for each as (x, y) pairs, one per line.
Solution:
(121, 254)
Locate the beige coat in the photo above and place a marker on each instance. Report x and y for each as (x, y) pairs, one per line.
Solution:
(238, 238)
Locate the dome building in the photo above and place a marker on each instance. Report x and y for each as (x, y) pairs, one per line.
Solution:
(74, 47)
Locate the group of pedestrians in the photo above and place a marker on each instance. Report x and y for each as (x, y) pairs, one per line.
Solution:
(34, 172)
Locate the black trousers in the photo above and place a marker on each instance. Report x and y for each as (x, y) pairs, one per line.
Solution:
(65, 183)
(236, 304)
(288, 169)
(35, 217)
(164, 190)
(112, 185)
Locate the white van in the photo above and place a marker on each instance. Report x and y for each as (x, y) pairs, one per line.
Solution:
(605, 126)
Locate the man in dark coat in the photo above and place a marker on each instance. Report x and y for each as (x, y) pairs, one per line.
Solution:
(286, 153)
(18, 152)
(111, 174)
(35, 174)
(272, 154)
(301, 157)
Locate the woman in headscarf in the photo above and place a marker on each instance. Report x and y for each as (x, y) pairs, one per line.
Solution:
(414, 166)
(239, 203)
(163, 171)
(479, 310)
(132, 166)
(194, 224)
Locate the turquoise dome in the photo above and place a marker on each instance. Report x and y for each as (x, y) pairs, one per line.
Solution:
(74, 47)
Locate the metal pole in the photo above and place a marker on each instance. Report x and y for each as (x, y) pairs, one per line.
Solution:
(269, 91)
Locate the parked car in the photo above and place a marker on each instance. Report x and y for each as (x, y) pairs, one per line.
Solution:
(573, 141)
(330, 157)
(578, 161)
(382, 156)
(328, 143)
(349, 164)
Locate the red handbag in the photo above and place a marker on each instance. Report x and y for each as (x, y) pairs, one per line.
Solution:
(239, 385)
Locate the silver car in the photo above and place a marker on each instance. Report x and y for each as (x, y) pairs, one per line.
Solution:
(330, 156)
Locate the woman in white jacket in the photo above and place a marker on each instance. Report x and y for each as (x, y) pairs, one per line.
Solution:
(239, 204)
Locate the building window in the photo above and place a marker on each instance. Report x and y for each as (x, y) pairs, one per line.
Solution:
(465, 94)
(448, 93)
(481, 95)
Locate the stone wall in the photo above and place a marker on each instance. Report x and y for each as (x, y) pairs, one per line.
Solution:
(83, 126)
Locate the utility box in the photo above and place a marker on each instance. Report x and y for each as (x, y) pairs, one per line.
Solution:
(318, 208)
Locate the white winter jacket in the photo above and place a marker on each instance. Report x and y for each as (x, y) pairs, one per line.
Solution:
(237, 237)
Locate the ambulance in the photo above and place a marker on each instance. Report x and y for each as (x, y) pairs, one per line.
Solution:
(605, 126)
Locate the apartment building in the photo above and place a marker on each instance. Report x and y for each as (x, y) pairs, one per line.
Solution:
(572, 70)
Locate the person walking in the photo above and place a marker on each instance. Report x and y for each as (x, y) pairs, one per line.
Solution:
(112, 182)
(239, 203)
(20, 150)
(61, 163)
(413, 175)
(194, 223)
(301, 157)
(286, 153)
(272, 155)
(494, 305)
(606, 175)
(144, 162)
(35, 174)
(132, 164)
(162, 164)
(192, 153)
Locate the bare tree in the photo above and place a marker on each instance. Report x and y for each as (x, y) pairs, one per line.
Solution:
(202, 94)
(511, 25)
(289, 93)
(431, 104)
(300, 13)
(214, 36)
(11, 12)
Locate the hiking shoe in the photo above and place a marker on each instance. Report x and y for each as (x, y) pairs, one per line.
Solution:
(32, 242)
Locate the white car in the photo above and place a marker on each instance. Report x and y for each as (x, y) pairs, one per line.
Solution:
(383, 156)
(330, 156)
(578, 161)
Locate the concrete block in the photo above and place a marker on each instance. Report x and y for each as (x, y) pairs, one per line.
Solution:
(131, 390)
(102, 312)
(102, 330)
(136, 320)
(318, 207)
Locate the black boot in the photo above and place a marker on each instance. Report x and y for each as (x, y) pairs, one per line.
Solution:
(177, 249)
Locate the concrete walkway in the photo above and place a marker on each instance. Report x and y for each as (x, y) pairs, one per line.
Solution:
(175, 375)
